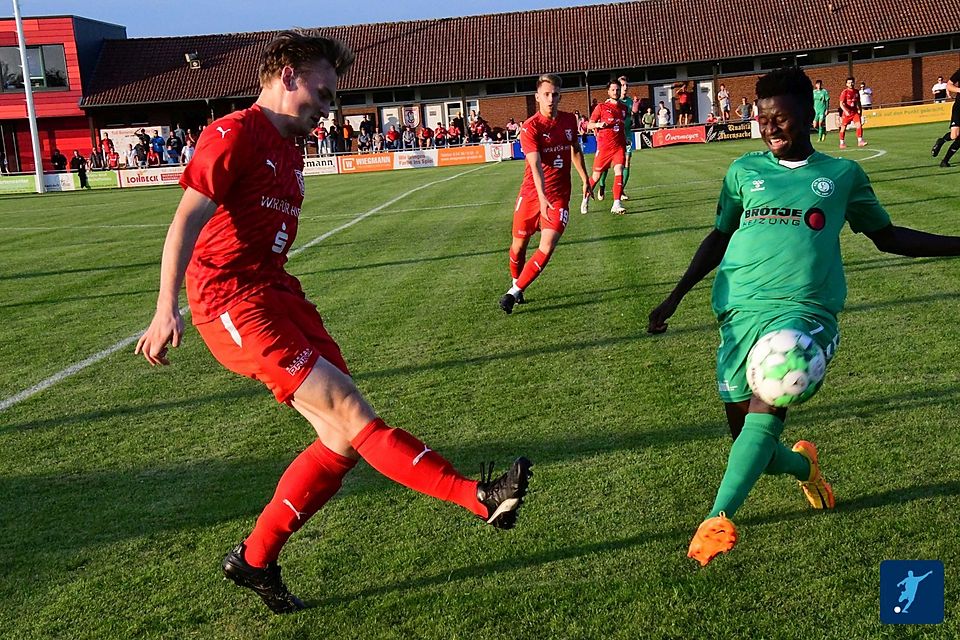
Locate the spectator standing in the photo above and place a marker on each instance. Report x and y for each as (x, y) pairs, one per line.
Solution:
(106, 145)
(347, 130)
(473, 116)
(58, 160)
(323, 145)
(333, 138)
(648, 119)
(663, 115)
(181, 135)
(79, 164)
(142, 148)
(744, 110)
(583, 127)
(158, 143)
(96, 161)
(866, 96)
(723, 99)
(174, 147)
(132, 160)
(940, 90)
(366, 126)
(684, 109)
(512, 128)
(635, 112)
(188, 152)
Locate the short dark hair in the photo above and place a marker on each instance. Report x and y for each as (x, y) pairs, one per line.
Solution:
(786, 81)
(300, 48)
(551, 78)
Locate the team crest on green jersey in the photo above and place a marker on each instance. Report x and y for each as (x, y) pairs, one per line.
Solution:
(823, 187)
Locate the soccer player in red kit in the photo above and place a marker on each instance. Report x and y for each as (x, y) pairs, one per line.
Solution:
(230, 235)
(550, 143)
(850, 111)
(607, 120)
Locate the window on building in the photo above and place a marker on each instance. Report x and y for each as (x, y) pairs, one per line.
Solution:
(740, 65)
(46, 64)
(929, 45)
(433, 93)
(572, 80)
(891, 49)
(498, 88)
(404, 95)
(527, 85)
(382, 97)
(863, 53)
(700, 69)
(348, 99)
(661, 73)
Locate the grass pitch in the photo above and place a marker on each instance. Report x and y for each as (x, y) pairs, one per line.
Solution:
(123, 486)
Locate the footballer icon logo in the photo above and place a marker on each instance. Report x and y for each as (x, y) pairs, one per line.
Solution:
(569, 133)
(815, 219)
(823, 187)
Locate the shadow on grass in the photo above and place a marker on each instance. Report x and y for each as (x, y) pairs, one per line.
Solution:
(680, 535)
(62, 272)
(118, 294)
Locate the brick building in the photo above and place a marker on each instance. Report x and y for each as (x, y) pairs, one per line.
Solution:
(61, 54)
(427, 71)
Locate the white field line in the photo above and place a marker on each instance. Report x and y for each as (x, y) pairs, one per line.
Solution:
(6, 403)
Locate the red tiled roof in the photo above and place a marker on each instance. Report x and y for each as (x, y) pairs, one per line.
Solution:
(511, 45)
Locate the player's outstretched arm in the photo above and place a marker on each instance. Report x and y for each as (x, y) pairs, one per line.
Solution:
(193, 212)
(706, 259)
(902, 241)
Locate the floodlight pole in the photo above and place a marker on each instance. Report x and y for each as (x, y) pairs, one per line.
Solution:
(28, 90)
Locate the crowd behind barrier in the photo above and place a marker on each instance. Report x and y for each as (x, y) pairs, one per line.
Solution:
(158, 159)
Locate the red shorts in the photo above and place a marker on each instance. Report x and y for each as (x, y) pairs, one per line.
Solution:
(845, 120)
(527, 219)
(273, 336)
(608, 157)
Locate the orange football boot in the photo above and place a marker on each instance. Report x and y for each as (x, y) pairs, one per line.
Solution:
(818, 491)
(714, 536)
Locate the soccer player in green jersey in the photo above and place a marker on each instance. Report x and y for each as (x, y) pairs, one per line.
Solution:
(821, 103)
(776, 243)
(627, 131)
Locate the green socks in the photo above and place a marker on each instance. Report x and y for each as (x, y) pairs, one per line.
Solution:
(626, 175)
(603, 179)
(757, 450)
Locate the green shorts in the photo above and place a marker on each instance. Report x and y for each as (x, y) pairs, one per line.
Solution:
(740, 330)
(819, 116)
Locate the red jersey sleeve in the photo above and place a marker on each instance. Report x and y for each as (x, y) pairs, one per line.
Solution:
(528, 137)
(220, 158)
(597, 113)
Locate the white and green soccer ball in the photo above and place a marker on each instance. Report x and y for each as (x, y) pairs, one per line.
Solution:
(785, 367)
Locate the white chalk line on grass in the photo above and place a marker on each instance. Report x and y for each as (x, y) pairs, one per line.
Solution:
(6, 403)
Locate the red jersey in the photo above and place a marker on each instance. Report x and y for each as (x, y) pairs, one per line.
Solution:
(850, 100)
(613, 114)
(552, 139)
(256, 178)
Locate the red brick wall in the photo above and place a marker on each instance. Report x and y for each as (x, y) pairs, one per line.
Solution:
(891, 80)
(943, 64)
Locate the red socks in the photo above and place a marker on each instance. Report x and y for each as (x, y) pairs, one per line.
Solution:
(532, 269)
(617, 187)
(310, 480)
(516, 264)
(401, 457)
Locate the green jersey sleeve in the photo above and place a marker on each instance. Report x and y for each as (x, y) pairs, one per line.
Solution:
(864, 211)
(730, 204)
